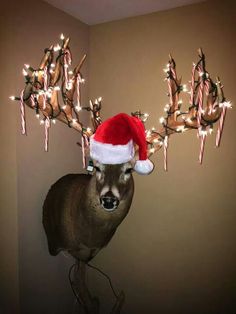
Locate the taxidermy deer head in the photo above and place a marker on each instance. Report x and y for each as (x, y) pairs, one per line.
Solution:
(82, 211)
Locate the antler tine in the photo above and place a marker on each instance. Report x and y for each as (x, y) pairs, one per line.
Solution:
(79, 66)
(46, 57)
(66, 43)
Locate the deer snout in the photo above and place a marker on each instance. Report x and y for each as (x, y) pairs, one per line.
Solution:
(109, 201)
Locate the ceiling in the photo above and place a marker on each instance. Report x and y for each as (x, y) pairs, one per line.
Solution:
(99, 11)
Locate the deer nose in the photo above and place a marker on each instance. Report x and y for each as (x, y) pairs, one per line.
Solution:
(109, 202)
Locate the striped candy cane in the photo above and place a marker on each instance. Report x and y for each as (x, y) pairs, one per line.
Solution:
(32, 101)
(47, 125)
(200, 104)
(84, 144)
(173, 73)
(78, 90)
(170, 92)
(203, 141)
(192, 84)
(22, 113)
(83, 151)
(67, 62)
(166, 142)
(45, 86)
(207, 91)
(221, 125)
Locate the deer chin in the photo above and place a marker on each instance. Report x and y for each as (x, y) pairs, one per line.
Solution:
(109, 209)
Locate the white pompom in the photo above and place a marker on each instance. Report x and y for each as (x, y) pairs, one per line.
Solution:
(143, 166)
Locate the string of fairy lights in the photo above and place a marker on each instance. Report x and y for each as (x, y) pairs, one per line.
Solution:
(41, 93)
(207, 103)
(207, 106)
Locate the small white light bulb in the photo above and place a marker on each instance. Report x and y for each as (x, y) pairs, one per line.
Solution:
(57, 47)
(226, 104)
(184, 88)
(162, 120)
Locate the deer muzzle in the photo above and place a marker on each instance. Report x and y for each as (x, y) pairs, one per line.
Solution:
(109, 201)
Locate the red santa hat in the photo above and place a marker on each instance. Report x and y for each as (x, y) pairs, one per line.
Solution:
(113, 142)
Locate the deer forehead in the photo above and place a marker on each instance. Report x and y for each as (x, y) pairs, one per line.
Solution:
(113, 169)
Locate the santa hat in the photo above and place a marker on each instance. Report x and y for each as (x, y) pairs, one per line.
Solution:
(113, 142)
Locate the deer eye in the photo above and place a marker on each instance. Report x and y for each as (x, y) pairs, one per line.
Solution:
(128, 171)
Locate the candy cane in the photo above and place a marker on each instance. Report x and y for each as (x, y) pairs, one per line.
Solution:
(173, 73)
(170, 91)
(32, 100)
(221, 125)
(207, 91)
(200, 104)
(203, 141)
(78, 90)
(192, 84)
(45, 86)
(47, 125)
(22, 113)
(83, 151)
(67, 62)
(166, 140)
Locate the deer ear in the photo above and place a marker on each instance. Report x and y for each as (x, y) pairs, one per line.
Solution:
(144, 166)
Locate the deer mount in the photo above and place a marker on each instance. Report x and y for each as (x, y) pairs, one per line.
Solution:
(82, 211)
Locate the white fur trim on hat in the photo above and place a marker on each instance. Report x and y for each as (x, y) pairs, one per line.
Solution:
(111, 154)
(143, 166)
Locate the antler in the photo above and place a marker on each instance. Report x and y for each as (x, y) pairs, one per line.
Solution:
(207, 105)
(42, 87)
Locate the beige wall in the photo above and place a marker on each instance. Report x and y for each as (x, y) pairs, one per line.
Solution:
(176, 250)
(8, 183)
(27, 270)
